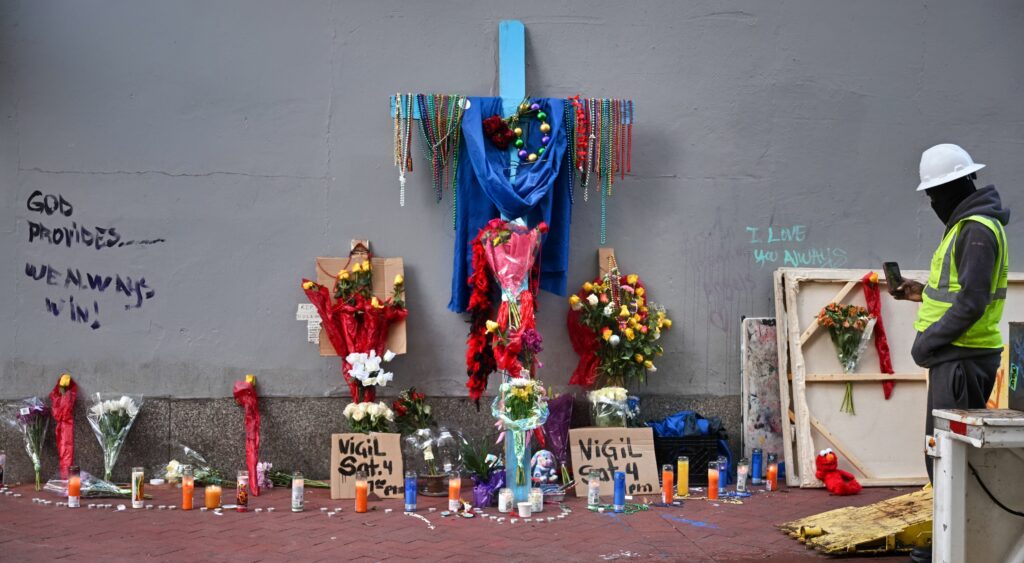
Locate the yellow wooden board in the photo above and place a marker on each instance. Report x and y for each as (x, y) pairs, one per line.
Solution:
(898, 524)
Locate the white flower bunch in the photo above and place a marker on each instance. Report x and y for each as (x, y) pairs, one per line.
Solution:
(608, 395)
(373, 411)
(172, 473)
(367, 368)
(124, 405)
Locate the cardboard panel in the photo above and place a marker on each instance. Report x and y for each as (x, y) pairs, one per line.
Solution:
(614, 449)
(378, 454)
(384, 272)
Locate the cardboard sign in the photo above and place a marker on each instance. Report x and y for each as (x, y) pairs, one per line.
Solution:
(604, 265)
(379, 455)
(384, 272)
(608, 450)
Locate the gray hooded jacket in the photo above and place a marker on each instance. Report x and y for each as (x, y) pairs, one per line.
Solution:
(975, 253)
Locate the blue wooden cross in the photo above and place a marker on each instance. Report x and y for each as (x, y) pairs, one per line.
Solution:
(512, 90)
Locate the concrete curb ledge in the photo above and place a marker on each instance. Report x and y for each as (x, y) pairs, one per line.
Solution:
(295, 431)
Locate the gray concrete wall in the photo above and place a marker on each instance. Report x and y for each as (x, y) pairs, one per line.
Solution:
(295, 432)
(245, 138)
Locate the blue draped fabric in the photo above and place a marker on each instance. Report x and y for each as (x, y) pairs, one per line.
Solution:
(540, 193)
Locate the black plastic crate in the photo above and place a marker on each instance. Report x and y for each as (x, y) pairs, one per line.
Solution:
(700, 450)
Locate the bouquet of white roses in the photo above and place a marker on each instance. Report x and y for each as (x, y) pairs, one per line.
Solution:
(609, 406)
(367, 370)
(369, 417)
(111, 419)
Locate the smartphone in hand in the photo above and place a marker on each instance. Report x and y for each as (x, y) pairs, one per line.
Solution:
(893, 277)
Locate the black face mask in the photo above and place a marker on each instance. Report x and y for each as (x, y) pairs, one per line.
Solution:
(946, 198)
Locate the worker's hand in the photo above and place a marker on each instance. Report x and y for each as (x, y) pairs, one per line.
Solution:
(909, 290)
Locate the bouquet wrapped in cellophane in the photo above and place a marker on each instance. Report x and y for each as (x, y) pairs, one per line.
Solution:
(202, 471)
(92, 487)
(850, 327)
(520, 406)
(111, 418)
(32, 418)
(609, 406)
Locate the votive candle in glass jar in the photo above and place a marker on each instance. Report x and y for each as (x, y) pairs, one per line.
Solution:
(212, 496)
(772, 480)
(536, 500)
(242, 492)
(712, 480)
(138, 487)
(188, 485)
(667, 483)
(505, 500)
(362, 492)
(683, 476)
(454, 492)
(742, 471)
(74, 487)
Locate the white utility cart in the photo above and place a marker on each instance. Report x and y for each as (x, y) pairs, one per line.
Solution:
(977, 450)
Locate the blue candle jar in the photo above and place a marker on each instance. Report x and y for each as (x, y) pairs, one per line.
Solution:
(755, 467)
(619, 494)
(410, 491)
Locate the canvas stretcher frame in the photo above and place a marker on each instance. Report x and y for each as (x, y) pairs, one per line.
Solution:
(883, 444)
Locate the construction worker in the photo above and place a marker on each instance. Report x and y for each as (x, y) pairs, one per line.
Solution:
(958, 337)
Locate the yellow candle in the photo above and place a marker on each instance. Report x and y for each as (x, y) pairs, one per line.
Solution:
(212, 496)
(683, 476)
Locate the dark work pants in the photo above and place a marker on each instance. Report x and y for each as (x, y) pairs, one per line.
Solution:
(959, 384)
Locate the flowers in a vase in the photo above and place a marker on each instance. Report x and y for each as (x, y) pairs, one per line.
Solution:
(609, 406)
(369, 417)
(412, 411)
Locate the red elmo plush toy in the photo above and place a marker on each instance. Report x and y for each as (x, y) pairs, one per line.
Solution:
(837, 481)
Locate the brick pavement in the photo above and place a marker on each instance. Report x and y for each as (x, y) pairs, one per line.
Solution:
(698, 531)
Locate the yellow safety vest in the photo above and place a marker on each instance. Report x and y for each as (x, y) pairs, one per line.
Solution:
(943, 287)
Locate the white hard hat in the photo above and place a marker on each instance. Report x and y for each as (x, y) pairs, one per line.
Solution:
(945, 163)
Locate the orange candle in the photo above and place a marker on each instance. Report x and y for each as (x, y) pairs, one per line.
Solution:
(666, 483)
(454, 492)
(188, 485)
(773, 477)
(713, 480)
(362, 492)
(212, 496)
(75, 486)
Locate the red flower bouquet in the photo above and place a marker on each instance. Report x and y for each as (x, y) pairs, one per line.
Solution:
(357, 321)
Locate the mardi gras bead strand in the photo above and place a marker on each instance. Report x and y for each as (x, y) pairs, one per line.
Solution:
(403, 134)
(605, 163)
(629, 139)
(570, 141)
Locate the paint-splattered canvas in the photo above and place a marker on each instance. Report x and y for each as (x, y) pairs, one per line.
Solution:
(762, 411)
